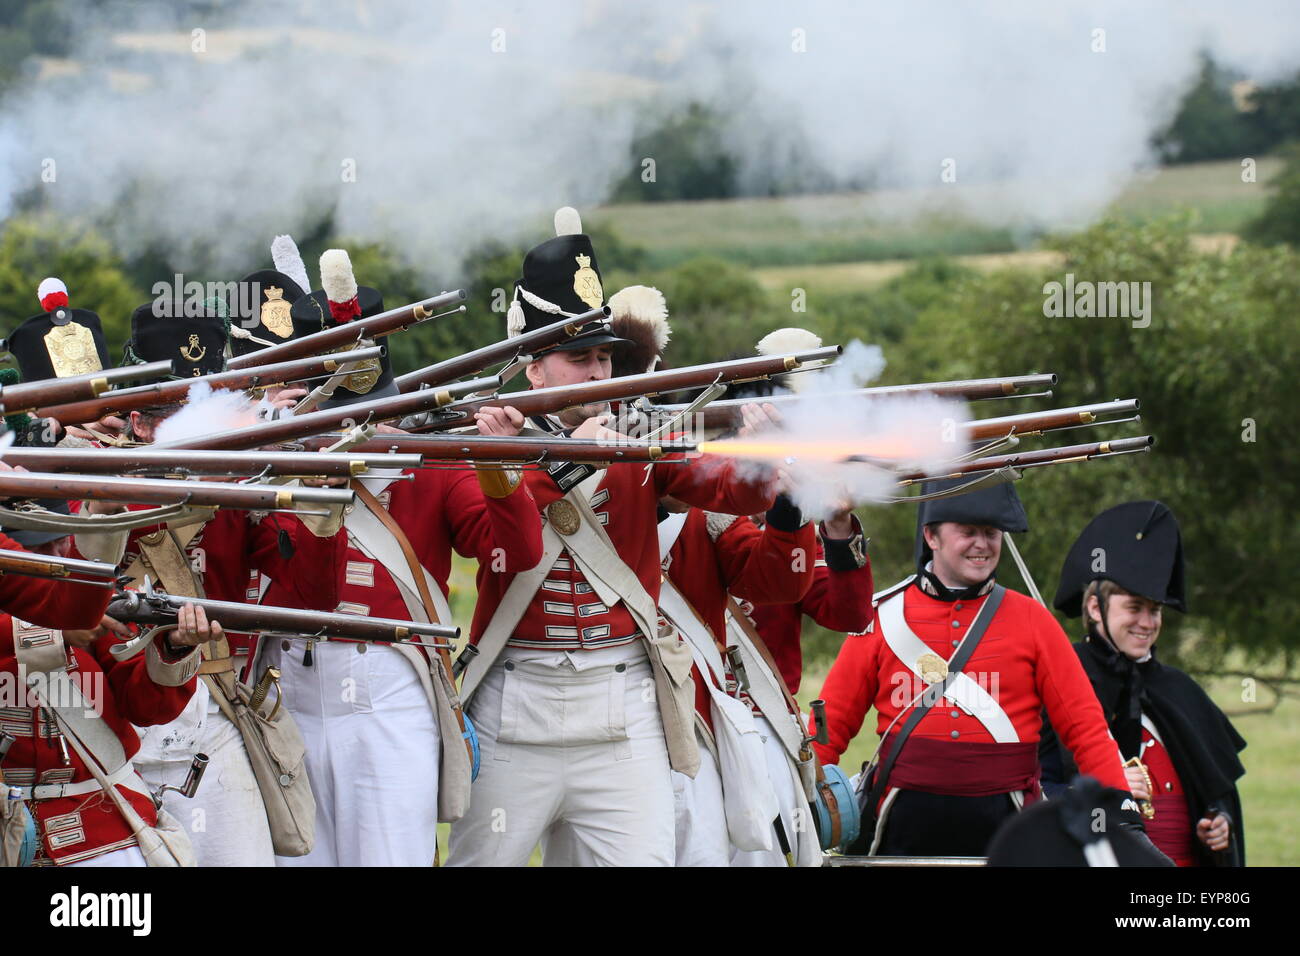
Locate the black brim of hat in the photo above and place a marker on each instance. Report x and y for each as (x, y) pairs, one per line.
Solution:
(590, 341)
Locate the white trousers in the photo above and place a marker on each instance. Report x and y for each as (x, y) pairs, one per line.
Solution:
(574, 758)
(225, 819)
(700, 817)
(372, 754)
(795, 814)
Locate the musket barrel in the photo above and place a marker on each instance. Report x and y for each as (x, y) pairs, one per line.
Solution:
(727, 411)
(237, 616)
(541, 401)
(148, 460)
(166, 393)
(1048, 420)
(56, 566)
(329, 419)
(511, 449)
(29, 396)
(15, 484)
(1040, 456)
(385, 323)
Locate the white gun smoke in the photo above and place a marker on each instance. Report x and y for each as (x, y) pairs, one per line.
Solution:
(436, 126)
(207, 411)
(825, 426)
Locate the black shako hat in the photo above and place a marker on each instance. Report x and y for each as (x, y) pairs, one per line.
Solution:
(561, 278)
(260, 308)
(1138, 545)
(59, 342)
(193, 334)
(997, 506)
(341, 300)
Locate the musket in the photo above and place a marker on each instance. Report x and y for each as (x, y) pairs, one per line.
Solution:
(330, 419)
(1037, 457)
(348, 333)
(528, 343)
(543, 401)
(434, 448)
(148, 460)
(156, 608)
(727, 412)
(29, 396)
(1055, 419)
(31, 565)
(161, 491)
(167, 393)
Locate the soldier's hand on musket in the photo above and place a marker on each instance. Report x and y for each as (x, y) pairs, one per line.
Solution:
(492, 420)
(1214, 833)
(110, 425)
(284, 397)
(595, 427)
(758, 418)
(1137, 782)
(193, 627)
(108, 625)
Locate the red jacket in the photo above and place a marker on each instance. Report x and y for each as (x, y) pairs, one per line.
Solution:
(1024, 661)
(231, 545)
(438, 510)
(51, 603)
(79, 827)
(839, 599)
(715, 554)
(564, 613)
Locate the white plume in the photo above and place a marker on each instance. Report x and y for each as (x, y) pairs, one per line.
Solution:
(567, 221)
(788, 340)
(336, 276)
(47, 286)
(287, 259)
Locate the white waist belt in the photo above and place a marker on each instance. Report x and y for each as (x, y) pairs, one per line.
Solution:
(124, 774)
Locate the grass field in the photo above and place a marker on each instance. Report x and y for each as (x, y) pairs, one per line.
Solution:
(884, 225)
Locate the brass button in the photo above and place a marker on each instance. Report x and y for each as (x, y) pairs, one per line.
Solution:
(955, 642)
(955, 735)
(1168, 785)
(956, 623)
(955, 714)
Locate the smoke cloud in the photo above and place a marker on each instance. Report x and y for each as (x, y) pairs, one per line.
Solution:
(826, 425)
(436, 126)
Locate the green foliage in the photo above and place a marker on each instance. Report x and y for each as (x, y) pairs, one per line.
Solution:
(32, 249)
(1280, 220)
(690, 160)
(1221, 351)
(1209, 125)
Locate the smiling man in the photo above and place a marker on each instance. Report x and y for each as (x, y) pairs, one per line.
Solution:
(959, 670)
(1181, 749)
